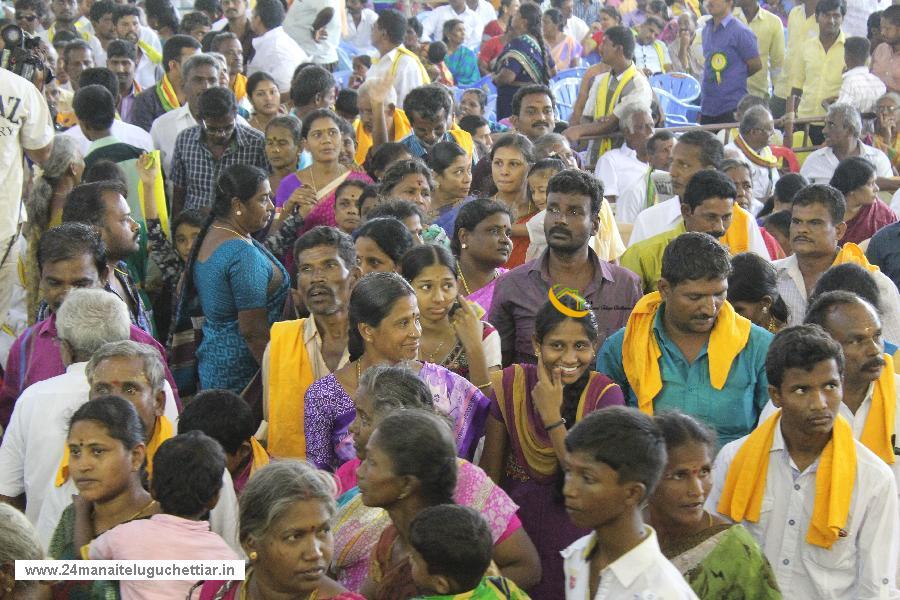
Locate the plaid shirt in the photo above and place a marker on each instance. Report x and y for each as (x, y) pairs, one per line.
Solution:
(196, 170)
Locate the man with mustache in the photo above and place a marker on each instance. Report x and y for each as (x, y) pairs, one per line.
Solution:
(305, 350)
(147, 70)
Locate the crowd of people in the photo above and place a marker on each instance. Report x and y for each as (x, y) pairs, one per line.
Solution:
(333, 288)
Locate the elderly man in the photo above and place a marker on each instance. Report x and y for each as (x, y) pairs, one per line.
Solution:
(380, 119)
(620, 167)
(752, 143)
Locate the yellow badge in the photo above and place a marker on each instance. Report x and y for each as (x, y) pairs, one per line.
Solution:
(718, 62)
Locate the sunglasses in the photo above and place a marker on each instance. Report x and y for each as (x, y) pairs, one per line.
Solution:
(29, 18)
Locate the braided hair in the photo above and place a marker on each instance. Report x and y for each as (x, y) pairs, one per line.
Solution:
(532, 15)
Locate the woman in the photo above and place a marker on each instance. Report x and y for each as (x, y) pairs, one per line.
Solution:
(866, 213)
(886, 136)
(106, 461)
(524, 61)
(608, 16)
(453, 335)
(240, 284)
(380, 244)
(504, 15)
(384, 328)
(283, 137)
(491, 49)
(753, 293)
(461, 61)
(481, 242)
(565, 50)
(18, 541)
(264, 98)
(718, 559)
(511, 159)
(410, 465)
(286, 512)
(452, 169)
(411, 180)
(61, 173)
(382, 391)
(531, 408)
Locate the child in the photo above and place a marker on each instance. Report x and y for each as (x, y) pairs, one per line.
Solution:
(538, 178)
(361, 65)
(346, 104)
(451, 550)
(614, 459)
(187, 479)
(437, 69)
(346, 213)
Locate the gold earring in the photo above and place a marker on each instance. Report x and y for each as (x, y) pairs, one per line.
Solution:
(252, 556)
(237, 212)
(464, 246)
(765, 309)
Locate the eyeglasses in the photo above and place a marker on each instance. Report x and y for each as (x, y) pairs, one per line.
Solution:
(885, 109)
(29, 18)
(219, 131)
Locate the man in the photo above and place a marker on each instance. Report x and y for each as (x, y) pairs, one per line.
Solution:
(653, 187)
(77, 56)
(96, 111)
(651, 55)
(769, 32)
(860, 88)
(195, 24)
(611, 92)
(274, 50)
(685, 50)
(147, 70)
(484, 9)
(121, 58)
(101, 17)
(380, 119)
(801, 25)
(168, 94)
(237, 13)
(28, 16)
(738, 170)
(573, 203)
(204, 150)
(886, 58)
(842, 131)
(313, 88)
(575, 26)
(303, 351)
(816, 72)
(455, 9)
(706, 207)
(825, 512)
(731, 56)
(360, 22)
(619, 168)
(228, 45)
(430, 112)
(66, 18)
(702, 357)
(752, 143)
(397, 64)
(817, 223)
(316, 26)
(884, 251)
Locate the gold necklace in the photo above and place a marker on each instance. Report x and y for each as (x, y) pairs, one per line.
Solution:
(436, 350)
(358, 370)
(135, 515)
(465, 284)
(240, 235)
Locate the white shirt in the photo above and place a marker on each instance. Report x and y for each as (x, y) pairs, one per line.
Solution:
(124, 132)
(618, 169)
(895, 202)
(407, 76)
(793, 291)
(666, 215)
(860, 88)
(762, 178)
(166, 128)
(646, 57)
(642, 573)
(859, 566)
(634, 198)
(820, 165)
(298, 25)
(577, 28)
(858, 12)
(637, 92)
(360, 36)
(434, 28)
(26, 124)
(278, 55)
(486, 13)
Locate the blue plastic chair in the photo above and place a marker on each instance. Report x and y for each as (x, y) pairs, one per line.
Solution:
(565, 91)
(485, 83)
(678, 113)
(591, 59)
(567, 73)
(490, 111)
(342, 77)
(680, 85)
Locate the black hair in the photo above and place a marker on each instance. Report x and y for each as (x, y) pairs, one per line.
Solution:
(316, 81)
(216, 102)
(423, 256)
(786, 188)
(825, 6)
(270, 12)
(257, 78)
(222, 415)
(289, 122)
(126, 10)
(712, 152)
(393, 24)
(851, 174)
(68, 241)
(679, 429)
(706, 184)
(780, 222)
(414, 24)
(753, 277)
(857, 49)
(220, 38)
(118, 416)
(100, 8)
(121, 49)
(350, 183)
(577, 182)
(420, 444)
(189, 216)
(187, 474)
(85, 202)
(478, 93)
(454, 541)
(163, 12)
(548, 317)
(192, 20)
(396, 209)
(800, 347)
(76, 44)
(623, 37)
(173, 47)
(612, 11)
(327, 236)
(100, 76)
(531, 14)
(346, 102)
(36, 5)
(849, 277)
(556, 18)
(449, 24)
(624, 439)
(695, 256)
(829, 197)
(528, 90)
(550, 163)
(471, 214)
(822, 304)
(105, 170)
(384, 155)
(891, 14)
(660, 136)
(388, 233)
(517, 141)
(209, 6)
(472, 123)
(427, 101)
(395, 173)
(369, 191)
(373, 297)
(94, 107)
(443, 154)
(316, 115)
(364, 59)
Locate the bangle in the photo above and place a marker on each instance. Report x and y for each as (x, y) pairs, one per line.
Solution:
(554, 425)
(484, 385)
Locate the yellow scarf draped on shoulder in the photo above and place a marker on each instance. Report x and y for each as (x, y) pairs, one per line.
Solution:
(259, 456)
(878, 431)
(851, 253)
(290, 375)
(603, 107)
(364, 142)
(402, 51)
(737, 236)
(745, 483)
(463, 138)
(161, 432)
(240, 86)
(641, 352)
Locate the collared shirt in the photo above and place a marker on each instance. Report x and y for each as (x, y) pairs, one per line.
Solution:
(125, 132)
(884, 251)
(520, 293)
(634, 198)
(618, 169)
(820, 165)
(486, 12)
(196, 170)
(645, 258)
(166, 128)
(407, 76)
(860, 565)
(146, 72)
(434, 28)
(642, 572)
(856, 20)
(886, 65)
(762, 178)
(589, 11)
(634, 18)
(298, 24)
(576, 28)
(636, 93)
(818, 74)
(769, 34)
(731, 411)
(278, 55)
(646, 56)
(860, 88)
(126, 103)
(738, 44)
(792, 290)
(360, 36)
(800, 28)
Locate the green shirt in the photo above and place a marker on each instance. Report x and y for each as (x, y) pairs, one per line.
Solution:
(490, 588)
(645, 257)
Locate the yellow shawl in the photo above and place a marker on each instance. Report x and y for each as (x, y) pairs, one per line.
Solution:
(878, 431)
(290, 374)
(402, 128)
(640, 350)
(745, 483)
(851, 253)
(240, 86)
(605, 107)
(737, 236)
(463, 138)
(259, 456)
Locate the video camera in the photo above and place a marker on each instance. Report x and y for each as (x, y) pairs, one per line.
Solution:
(22, 54)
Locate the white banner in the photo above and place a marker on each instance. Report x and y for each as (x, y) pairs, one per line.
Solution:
(121, 570)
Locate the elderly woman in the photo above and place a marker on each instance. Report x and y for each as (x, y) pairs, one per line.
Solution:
(285, 528)
(885, 137)
(18, 541)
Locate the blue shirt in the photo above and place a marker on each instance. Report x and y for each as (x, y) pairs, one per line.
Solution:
(738, 43)
(884, 251)
(417, 148)
(731, 411)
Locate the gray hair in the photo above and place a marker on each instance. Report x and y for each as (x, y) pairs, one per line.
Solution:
(219, 57)
(275, 488)
(392, 387)
(753, 118)
(892, 96)
(734, 163)
(544, 144)
(390, 97)
(154, 370)
(89, 318)
(628, 114)
(849, 114)
(65, 151)
(18, 539)
(196, 61)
